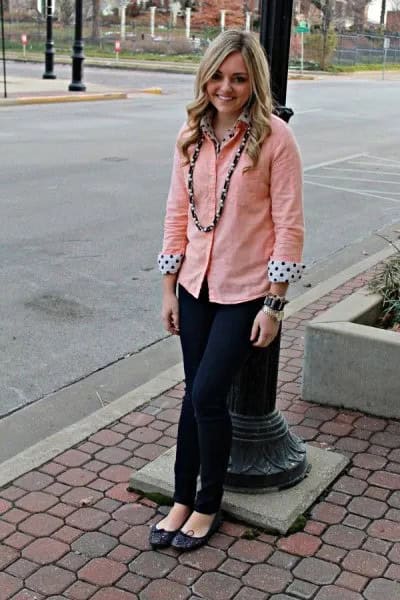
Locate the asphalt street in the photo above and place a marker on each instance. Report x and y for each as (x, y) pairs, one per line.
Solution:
(82, 195)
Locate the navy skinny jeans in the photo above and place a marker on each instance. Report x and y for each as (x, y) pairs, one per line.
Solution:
(215, 340)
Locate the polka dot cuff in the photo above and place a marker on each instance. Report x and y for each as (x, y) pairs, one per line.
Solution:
(169, 263)
(284, 271)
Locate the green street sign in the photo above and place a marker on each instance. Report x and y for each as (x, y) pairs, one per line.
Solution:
(303, 27)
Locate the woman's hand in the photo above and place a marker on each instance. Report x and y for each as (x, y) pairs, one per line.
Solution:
(264, 331)
(170, 312)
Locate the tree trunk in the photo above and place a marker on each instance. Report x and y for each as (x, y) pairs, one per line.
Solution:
(96, 20)
(326, 23)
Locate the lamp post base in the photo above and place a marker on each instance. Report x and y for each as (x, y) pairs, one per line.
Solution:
(283, 112)
(265, 454)
(77, 86)
(49, 61)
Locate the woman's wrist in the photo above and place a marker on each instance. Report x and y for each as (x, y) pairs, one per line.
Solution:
(278, 289)
(277, 315)
(169, 284)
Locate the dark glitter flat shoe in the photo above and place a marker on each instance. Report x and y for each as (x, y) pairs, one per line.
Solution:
(161, 538)
(187, 541)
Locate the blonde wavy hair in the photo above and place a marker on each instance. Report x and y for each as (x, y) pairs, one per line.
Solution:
(260, 105)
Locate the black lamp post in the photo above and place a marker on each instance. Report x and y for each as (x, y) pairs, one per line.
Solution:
(78, 57)
(3, 46)
(276, 23)
(49, 52)
(265, 454)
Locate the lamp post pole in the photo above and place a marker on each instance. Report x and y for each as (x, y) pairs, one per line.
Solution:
(276, 24)
(265, 454)
(78, 57)
(49, 52)
(3, 46)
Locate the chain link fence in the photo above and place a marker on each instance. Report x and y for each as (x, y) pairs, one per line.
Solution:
(345, 50)
(366, 49)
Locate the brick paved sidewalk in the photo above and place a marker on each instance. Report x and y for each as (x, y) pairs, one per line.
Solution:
(70, 530)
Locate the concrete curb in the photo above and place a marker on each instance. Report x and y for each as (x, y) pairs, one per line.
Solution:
(151, 90)
(29, 100)
(335, 281)
(45, 450)
(36, 455)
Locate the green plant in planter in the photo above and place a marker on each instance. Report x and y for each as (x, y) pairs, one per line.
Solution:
(386, 282)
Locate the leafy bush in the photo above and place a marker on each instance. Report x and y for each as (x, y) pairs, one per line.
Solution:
(386, 282)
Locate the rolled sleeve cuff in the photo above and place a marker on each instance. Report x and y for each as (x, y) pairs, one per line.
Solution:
(284, 271)
(169, 264)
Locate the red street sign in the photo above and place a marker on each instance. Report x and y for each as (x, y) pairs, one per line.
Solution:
(117, 46)
(24, 39)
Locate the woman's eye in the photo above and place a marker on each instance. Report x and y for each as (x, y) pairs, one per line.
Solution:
(240, 79)
(215, 76)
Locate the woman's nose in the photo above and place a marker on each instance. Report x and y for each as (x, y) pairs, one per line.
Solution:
(226, 85)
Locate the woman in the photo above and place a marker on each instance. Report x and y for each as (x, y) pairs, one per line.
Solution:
(233, 241)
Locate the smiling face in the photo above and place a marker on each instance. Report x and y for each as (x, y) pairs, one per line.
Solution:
(229, 88)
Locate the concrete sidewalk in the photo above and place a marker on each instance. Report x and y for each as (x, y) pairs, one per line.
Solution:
(70, 529)
(30, 90)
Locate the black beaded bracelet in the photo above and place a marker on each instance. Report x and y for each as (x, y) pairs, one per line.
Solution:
(275, 302)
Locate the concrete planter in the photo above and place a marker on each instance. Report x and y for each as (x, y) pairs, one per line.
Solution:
(349, 363)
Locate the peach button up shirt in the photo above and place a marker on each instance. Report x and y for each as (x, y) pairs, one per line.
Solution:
(262, 220)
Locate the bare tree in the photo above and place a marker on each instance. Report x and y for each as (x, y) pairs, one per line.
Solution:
(358, 10)
(96, 20)
(66, 11)
(327, 13)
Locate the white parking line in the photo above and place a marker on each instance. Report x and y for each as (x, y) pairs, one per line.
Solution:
(359, 192)
(304, 112)
(374, 164)
(391, 160)
(353, 179)
(362, 171)
(333, 162)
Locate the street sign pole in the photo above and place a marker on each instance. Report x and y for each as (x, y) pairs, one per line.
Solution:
(123, 6)
(24, 41)
(3, 46)
(302, 28)
(386, 46)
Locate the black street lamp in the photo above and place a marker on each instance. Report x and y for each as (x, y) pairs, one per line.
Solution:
(49, 52)
(3, 46)
(276, 24)
(265, 454)
(78, 57)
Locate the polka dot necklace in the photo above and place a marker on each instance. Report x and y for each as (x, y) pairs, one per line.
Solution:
(225, 188)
